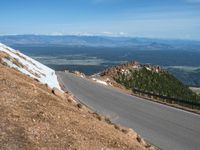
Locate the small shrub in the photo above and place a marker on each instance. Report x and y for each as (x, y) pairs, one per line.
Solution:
(17, 63)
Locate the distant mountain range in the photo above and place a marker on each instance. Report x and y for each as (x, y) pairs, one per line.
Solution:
(100, 41)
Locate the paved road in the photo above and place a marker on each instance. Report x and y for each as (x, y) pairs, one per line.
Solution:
(166, 127)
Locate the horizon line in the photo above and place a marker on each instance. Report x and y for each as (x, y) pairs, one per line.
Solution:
(101, 35)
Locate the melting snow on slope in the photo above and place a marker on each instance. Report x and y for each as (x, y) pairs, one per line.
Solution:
(99, 81)
(29, 66)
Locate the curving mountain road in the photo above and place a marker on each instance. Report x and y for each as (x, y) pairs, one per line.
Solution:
(168, 128)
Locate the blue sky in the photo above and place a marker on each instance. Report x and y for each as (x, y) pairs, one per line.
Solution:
(177, 19)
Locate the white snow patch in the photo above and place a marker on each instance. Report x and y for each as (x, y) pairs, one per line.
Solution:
(99, 81)
(125, 72)
(82, 76)
(148, 68)
(30, 67)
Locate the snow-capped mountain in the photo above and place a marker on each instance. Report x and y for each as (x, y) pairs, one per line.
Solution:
(28, 66)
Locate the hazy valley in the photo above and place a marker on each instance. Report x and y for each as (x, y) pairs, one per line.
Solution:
(91, 55)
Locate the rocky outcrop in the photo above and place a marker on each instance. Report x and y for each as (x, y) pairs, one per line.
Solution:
(125, 68)
(80, 74)
(58, 93)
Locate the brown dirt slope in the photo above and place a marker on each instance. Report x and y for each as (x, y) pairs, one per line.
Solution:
(33, 118)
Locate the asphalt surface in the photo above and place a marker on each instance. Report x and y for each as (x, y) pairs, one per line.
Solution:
(168, 128)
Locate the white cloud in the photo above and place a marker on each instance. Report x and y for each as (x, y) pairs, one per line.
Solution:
(108, 33)
(122, 33)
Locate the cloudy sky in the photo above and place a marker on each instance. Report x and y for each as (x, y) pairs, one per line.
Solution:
(177, 19)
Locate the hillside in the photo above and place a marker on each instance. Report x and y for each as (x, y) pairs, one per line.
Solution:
(32, 117)
(150, 79)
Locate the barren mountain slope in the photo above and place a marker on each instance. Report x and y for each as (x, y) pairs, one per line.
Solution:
(33, 118)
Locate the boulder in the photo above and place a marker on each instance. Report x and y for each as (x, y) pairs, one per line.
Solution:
(66, 71)
(141, 140)
(131, 133)
(58, 93)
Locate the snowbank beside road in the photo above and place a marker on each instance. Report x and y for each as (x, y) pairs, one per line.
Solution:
(100, 81)
(29, 66)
